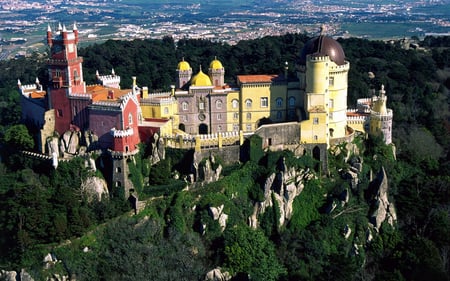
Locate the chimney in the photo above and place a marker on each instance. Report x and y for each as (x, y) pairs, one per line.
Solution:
(110, 94)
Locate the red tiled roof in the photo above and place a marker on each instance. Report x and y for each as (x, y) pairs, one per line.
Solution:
(100, 93)
(262, 78)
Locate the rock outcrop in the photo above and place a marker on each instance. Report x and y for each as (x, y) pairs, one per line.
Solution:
(209, 171)
(217, 275)
(381, 208)
(283, 187)
(158, 150)
(14, 276)
(218, 215)
(94, 188)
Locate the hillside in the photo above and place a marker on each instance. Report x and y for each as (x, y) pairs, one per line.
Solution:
(380, 214)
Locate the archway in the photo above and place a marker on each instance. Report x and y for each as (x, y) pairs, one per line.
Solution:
(203, 129)
(316, 156)
(182, 127)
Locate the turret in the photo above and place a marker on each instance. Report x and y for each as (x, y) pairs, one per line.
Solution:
(75, 32)
(49, 36)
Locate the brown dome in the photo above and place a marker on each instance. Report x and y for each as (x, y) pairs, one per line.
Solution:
(323, 46)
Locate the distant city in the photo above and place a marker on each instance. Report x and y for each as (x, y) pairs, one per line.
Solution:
(24, 22)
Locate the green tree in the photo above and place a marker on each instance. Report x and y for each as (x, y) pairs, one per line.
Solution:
(251, 252)
(18, 137)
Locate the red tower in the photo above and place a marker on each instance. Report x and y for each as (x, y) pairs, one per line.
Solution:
(66, 76)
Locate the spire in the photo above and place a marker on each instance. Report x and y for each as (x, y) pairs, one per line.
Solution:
(323, 29)
(37, 81)
(64, 28)
(19, 83)
(96, 73)
(59, 27)
(74, 26)
(49, 29)
(382, 91)
(113, 72)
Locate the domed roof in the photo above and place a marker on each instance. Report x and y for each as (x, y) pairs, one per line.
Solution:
(183, 65)
(201, 79)
(323, 46)
(215, 64)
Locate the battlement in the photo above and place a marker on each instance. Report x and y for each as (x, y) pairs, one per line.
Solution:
(121, 133)
(198, 142)
(383, 117)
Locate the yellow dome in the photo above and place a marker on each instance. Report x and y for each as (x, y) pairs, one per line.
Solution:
(216, 64)
(183, 65)
(201, 79)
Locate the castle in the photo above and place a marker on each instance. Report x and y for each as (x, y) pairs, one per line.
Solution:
(310, 110)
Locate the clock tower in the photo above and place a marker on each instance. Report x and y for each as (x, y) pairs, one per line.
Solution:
(66, 78)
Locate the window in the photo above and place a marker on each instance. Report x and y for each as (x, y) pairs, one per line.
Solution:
(219, 116)
(130, 119)
(331, 81)
(249, 127)
(235, 103)
(315, 120)
(219, 128)
(331, 115)
(291, 101)
(315, 137)
(235, 115)
(185, 118)
(249, 116)
(235, 127)
(279, 115)
(264, 102)
(279, 102)
(248, 103)
(118, 170)
(166, 110)
(219, 104)
(331, 103)
(184, 106)
(201, 105)
(59, 113)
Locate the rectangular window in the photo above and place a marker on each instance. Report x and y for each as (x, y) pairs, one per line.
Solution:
(316, 138)
(331, 103)
(235, 127)
(315, 120)
(219, 116)
(264, 102)
(235, 115)
(331, 115)
(331, 81)
(249, 127)
(201, 105)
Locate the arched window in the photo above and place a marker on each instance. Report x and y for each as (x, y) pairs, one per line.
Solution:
(130, 119)
(279, 102)
(184, 106)
(235, 103)
(248, 103)
(291, 101)
(219, 104)
(279, 115)
(166, 110)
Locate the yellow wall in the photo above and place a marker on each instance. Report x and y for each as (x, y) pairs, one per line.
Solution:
(233, 112)
(312, 132)
(256, 111)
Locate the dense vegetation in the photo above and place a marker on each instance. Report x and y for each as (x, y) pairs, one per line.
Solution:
(41, 207)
